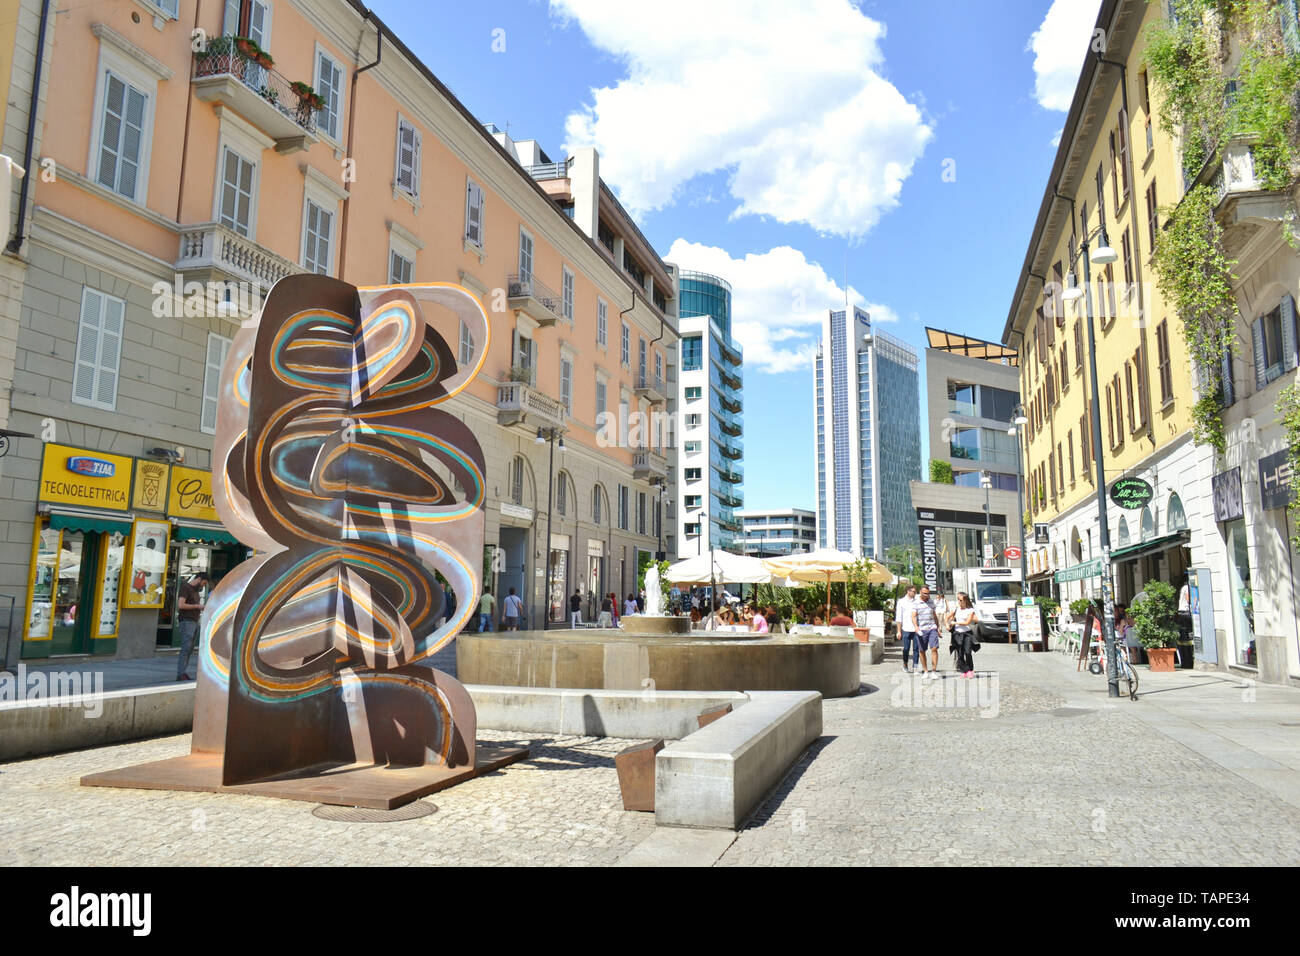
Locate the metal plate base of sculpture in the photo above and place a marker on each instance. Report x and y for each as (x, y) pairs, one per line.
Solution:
(363, 501)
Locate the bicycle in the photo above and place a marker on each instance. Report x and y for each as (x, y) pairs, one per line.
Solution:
(1123, 665)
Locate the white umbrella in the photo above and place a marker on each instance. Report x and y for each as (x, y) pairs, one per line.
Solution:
(824, 564)
(727, 567)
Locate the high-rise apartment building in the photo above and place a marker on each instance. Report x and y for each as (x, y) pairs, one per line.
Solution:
(770, 533)
(867, 424)
(709, 452)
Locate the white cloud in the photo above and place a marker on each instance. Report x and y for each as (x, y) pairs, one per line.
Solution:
(1056, 140)
(1059, 46)
(778, 301)
(789, 99)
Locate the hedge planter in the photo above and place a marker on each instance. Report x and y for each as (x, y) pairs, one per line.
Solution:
(1161, 658)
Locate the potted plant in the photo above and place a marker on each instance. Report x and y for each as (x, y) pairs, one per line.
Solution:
(1079, 609)
(1153, 616)
(307, 95)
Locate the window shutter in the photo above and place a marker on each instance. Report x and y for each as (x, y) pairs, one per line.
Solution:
(92, 309)
(1225, 377)
(132, 134)
(1288, 333)
(218, 348)
(415, 161)
(230, 23)
(1257, 340)
(110, 351)
(474, 214)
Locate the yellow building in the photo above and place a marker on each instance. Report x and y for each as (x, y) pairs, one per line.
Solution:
(1114, 170)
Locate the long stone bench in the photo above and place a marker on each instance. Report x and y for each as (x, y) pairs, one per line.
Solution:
(30, 728)
(629, 714)
(717, 776)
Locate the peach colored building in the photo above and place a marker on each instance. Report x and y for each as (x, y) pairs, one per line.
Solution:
(189, 172)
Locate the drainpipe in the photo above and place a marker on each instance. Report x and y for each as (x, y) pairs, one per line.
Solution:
(24, 187)
(352, 118)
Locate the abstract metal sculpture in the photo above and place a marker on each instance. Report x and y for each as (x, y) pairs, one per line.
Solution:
(364, 501)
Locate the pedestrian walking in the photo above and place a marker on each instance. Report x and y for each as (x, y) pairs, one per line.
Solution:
(629, 606)
(963, 644)
(188, 608)
(906, 631)
(575, 608)
(942, 609)
(926, 627)
(606, 611)
(486, 605)
(512, 609)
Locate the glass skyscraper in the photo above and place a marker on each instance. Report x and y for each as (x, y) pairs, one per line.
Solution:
(710, 472)
(867, 420)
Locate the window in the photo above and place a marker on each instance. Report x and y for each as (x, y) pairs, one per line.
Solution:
(694, 501)
(1140, 389)
(640, 512)
(602, 322)
(238, 184)
(1163, 360)
(1153, 214)
(1117, 388)
(1114, 170)
(595, 504)
(692, 447)
(122, 136)
(218, 348)
(408, 158)
(1110, 417)
(622, 507)
(693, 474)
(99, 347)
(1058, 303)
(1065, 376)
(694, 392)
(1085, 441)
(1273, 337)
(1078, 345)
(1101, 195)
(626, 349)
(466, 346)
(640, 360)
(517, 480)
(525, 256)
(561, 494)
(473, 214)
(692, 529)
(659, 368)
(401, 269)
(1121, 138)
(693, 420)
(1127, 248)
(692, 353)
(566, 385)
(317, 239)
(329, 85)
(566, 294)
(1069, 443)
(167, 6)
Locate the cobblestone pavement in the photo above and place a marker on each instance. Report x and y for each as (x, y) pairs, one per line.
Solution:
(899, 780)
(1037, 767)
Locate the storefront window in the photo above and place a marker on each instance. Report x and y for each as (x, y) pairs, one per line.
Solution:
(40, 609)
(108, 611)
(1243, 610)
(556, 604)
(67, 602)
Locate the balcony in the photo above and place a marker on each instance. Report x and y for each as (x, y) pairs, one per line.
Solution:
(733, 426)
(518, 403)
(212, 253)
(1243, 205)
(732, 451)
(540, 303)
(731, 352)
(546, 171)
(262, 96)
(728, 376)
(733, 473)
(731, 499)
(652, 389)
(647, 464)
(732, 403)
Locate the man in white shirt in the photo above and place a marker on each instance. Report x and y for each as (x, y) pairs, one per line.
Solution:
(905, 628)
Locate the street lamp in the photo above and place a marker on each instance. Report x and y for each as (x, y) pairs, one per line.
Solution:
(548, 436)
(1102, 255)
(1018, 422)
(986, 483)
(662, 485)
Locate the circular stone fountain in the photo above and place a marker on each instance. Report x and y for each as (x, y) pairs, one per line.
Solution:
(616, 659)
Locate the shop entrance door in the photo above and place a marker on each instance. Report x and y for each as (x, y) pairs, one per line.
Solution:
(73, 594)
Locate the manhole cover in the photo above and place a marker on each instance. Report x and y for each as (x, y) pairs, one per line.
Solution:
(1071, 711)
(411, 811)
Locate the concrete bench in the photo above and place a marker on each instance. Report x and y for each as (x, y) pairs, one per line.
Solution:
(717, 776)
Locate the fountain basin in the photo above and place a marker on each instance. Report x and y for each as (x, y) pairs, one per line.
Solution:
(614, 659)
(656, 624)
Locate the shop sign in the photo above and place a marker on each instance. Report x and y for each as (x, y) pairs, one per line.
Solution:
(1042, 533)
(1088, 569)
(147, 581)
(150, 491)
(78, 476)
(1275, 480)
(191, 494)
(1226, 488)
(930, 555)
(1131, 493)
(1012, 553)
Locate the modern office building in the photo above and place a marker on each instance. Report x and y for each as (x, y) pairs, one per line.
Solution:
(173, 171)
(709, 451)
(867, 423)
(972, 389)
(783, 531)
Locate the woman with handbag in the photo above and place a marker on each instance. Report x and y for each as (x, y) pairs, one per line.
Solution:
(963, 644)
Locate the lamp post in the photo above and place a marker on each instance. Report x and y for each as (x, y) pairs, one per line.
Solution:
(1103, 255)
(1019, 421)
(987, 483)
(548, 436)
(662, 485)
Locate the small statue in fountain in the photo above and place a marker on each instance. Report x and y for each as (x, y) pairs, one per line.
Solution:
(654, 598)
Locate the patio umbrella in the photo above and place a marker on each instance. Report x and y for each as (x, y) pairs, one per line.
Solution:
(824, 564)
(727, 568)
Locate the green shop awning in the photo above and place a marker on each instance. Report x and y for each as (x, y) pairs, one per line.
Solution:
(1149, 547)
(1089, 569)
(190, 532)
(87, 522)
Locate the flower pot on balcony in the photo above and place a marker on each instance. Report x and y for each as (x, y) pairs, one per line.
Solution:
(863, 634)
(1161, 658)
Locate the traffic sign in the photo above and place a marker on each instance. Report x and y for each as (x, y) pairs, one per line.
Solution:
(1012, 553)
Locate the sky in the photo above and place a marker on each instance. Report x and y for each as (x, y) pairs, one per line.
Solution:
(901, 148)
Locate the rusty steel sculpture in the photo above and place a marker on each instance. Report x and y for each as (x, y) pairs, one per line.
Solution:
(364, 502)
